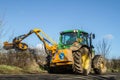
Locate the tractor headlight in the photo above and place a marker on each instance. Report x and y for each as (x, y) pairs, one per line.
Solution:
(75, 31)
(61, 56)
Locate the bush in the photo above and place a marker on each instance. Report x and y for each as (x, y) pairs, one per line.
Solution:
(113, 65)
(26, 60)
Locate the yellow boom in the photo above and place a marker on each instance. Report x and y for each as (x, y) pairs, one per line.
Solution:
(49, 44)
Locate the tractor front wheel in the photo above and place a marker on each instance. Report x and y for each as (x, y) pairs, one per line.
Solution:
(99, 64)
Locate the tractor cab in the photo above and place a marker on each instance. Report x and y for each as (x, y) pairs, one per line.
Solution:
(67, 38)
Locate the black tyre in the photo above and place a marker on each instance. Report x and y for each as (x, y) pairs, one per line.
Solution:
(99, 64)
(78, 61)
(77, 66)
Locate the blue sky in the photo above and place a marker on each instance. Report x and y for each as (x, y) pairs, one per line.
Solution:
(101, 17)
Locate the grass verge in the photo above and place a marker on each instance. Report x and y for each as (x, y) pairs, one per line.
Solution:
(6, 69)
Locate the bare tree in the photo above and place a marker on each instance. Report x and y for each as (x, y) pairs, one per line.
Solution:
(103, 48)
(11, 37)
(1, 25)
(2, 31)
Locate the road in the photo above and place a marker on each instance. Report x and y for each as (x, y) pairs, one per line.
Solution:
(46, 76)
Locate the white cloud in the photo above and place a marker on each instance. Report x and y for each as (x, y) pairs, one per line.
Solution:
(39, 46)
(40, 49)
(109, 36)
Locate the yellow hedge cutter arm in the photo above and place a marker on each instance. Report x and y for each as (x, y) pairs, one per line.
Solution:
(17, 43)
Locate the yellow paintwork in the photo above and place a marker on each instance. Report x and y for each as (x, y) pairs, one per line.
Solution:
(52, 47)
(8, 45)
(44, 34)
(22, 46)
(60, 64)
(40, 34)
(85, 60)
(68, 59)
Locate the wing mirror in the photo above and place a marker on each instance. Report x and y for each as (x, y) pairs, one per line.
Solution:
(92, 36)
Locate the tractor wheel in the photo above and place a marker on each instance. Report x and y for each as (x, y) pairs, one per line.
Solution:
(77, 66)
(78, 61)
(99, 64)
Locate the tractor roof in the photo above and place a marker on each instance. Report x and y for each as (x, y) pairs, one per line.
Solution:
(75, 30)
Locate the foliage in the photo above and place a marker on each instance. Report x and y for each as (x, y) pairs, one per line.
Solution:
(25, 60)
(113, 65)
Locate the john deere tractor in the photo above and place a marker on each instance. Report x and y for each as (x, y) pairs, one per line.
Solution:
(74, 52)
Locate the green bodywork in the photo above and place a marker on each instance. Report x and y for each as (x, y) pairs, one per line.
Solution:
(67, 38)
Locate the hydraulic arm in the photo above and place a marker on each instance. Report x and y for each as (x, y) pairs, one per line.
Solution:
(17, 43)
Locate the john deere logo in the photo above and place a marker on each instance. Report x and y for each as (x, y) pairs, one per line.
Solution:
(61, 56)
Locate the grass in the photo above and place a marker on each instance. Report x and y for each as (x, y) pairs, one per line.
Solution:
(6, 69)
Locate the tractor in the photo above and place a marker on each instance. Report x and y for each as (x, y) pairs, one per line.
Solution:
(74, 52)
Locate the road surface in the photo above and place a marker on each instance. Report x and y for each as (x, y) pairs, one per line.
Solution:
(46, 76)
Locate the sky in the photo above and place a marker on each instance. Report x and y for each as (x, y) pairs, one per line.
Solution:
(101, 17)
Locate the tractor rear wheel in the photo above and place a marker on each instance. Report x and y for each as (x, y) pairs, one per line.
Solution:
(80, 62)
(99, 64)
(77, 66)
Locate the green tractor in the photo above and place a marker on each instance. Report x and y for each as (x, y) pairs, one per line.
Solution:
(76, 52)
